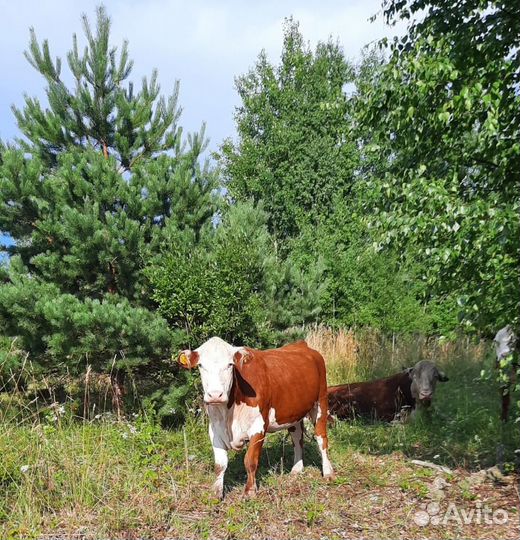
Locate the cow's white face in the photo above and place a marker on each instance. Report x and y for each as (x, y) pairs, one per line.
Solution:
(215, 360)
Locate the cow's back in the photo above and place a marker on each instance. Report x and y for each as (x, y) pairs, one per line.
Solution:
(287, 381)
(380, 399)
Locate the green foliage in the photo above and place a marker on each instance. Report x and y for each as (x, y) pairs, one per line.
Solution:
(295, 154)
(174, 403)
(230, 282)
(507, 373)
(214, 286)
(363, 287)
(100, 184)
(444, 315)
(379, 293)
(293, 151)
(64, 332)
(11, 362)
(86, 227)
(484, 29)
(444, 114)
(100, 111)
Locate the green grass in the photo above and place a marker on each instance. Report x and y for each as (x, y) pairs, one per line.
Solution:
(461, 430)
(111, 480)
(60, 475)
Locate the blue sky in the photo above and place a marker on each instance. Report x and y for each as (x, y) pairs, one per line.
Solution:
(203, 44)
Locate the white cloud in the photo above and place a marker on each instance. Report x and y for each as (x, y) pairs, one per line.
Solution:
(204, 44)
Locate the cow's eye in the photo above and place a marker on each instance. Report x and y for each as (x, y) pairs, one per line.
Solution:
(230, 365)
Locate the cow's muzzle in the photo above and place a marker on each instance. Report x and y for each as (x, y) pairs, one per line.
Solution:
(215, 398)
(425, 399)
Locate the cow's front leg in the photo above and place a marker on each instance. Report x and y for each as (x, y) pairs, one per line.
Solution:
(251, 462)
(221, 463)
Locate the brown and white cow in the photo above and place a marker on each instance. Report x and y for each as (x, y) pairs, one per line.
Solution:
(248, 393)
(383, 399)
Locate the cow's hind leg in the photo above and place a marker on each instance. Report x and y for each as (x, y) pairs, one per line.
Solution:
(251, 462)
(296, 432)
(319, 416)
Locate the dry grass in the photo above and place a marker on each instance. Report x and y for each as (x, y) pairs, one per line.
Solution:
(339, 348)
(366, 354)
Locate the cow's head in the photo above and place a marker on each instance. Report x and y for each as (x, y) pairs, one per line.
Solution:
(425, 375)
(215, 360)
(505, 342)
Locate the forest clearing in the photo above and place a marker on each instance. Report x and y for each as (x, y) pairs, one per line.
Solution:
(157, 287)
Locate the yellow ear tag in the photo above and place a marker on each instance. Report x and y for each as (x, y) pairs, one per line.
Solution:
(183, 359)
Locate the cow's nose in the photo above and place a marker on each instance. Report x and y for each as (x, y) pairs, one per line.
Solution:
(214, 397)
(425, 395)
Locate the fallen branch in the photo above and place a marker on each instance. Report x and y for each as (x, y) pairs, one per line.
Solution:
(431, 465)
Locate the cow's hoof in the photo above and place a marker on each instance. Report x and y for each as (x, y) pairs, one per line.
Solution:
(218, 492)
(297, 469)
(250, 493)
(329, 477)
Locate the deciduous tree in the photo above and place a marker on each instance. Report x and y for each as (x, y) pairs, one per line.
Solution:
(443, 116)
(293, 152)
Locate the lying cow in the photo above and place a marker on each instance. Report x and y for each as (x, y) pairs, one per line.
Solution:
(384, 399)
(248, 393)
(506, 344)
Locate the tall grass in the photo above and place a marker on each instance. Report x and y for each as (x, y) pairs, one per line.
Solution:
(364, 354)
(67, 463)
(102, 475)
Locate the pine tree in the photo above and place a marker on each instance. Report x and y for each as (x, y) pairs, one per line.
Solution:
(101, 181)
(233, 283)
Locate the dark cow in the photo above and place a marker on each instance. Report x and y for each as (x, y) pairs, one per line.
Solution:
(248, 393)
(383, 399)
(506, 345)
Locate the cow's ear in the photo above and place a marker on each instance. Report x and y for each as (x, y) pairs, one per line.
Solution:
(442, 376)
(188, 359)
(241, 357)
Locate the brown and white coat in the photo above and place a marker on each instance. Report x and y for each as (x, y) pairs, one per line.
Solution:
(248, 393)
